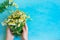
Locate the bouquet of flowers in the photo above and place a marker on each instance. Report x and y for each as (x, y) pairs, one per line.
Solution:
(16, 22)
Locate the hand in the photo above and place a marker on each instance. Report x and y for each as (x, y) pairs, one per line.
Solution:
(25, 33)
(9, 35)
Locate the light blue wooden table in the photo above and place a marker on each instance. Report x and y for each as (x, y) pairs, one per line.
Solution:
(45, 24)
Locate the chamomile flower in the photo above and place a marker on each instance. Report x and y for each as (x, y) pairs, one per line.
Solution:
(14, 4)
(16, 21)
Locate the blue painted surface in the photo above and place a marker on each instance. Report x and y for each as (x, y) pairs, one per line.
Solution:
(45, 14)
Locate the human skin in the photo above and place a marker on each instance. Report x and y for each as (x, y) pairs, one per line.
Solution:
(9, 35)
(24, 34)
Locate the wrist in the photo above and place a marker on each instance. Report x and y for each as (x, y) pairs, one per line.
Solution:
(24, 38)
(9, 37)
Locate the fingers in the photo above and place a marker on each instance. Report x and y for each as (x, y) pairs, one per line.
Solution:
(9, 32)
(25, 28)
